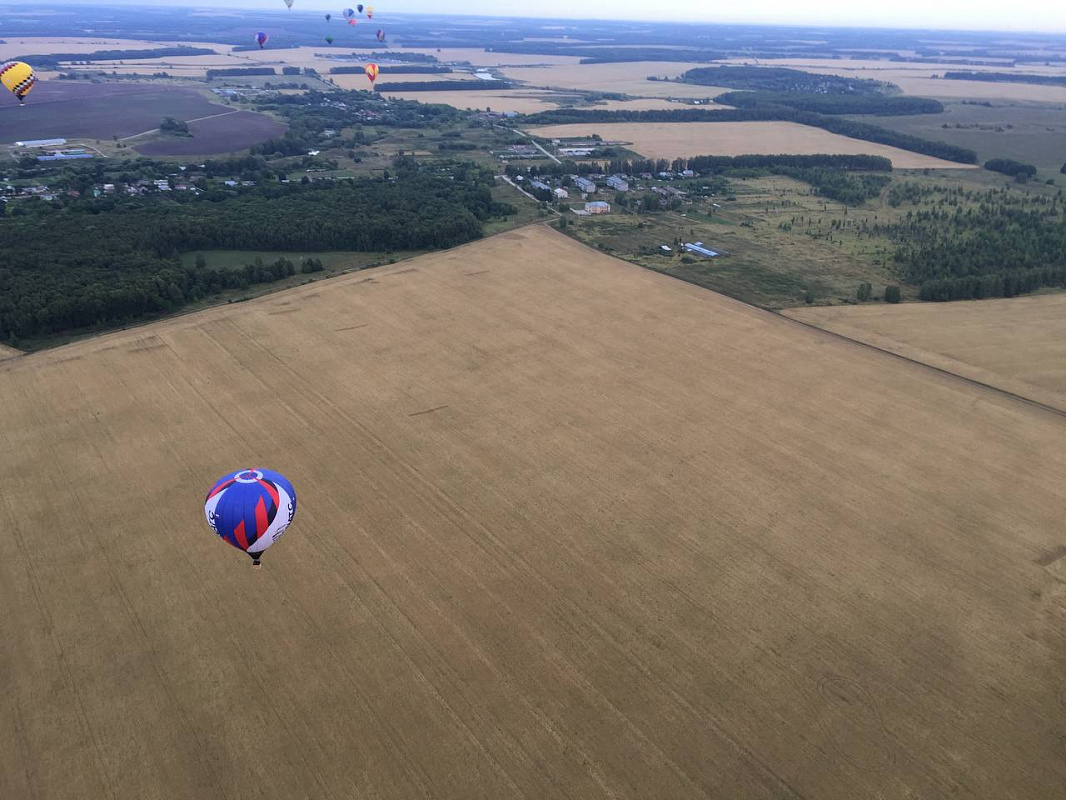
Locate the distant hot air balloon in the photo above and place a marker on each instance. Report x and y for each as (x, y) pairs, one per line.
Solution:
(349, 13)
(261, 39)
(329, 17)
(18, 77)
(288, 4)
(359, 8)
(371, 72)
(352, 21)
(250, 509)
(381, 35)
(369, 12)
(329, 40)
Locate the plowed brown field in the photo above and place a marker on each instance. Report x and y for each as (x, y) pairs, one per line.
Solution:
(567, 528)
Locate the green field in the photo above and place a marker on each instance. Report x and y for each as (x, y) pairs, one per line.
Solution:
(764, 265)
(1031, 133)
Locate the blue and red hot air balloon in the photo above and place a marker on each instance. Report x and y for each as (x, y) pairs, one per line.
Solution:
(261, 39)
(250, 509)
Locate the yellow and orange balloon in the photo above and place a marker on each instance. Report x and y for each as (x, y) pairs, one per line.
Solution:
(371, 72)
(18, 77)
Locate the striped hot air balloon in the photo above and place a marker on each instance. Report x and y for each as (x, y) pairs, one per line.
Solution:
(372, 72)
(261, 39)
(250, 509)
(18, 77)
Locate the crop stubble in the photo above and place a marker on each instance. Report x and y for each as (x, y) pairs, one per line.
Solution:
(1017, 344)
(646, 542)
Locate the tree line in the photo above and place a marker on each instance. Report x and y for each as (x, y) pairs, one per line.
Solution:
(1007, 77)
(874, 104)
(52, 60)
(112, 260)
(1008, 166)
(394, 69)
(439, 86)
(232, 72)
(763, 113)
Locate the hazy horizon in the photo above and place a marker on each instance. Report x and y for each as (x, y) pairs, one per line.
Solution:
(1041, 16)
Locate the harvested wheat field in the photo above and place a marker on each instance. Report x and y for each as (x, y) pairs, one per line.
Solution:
(523, 101)
(1016, 344)
(685, 139)
(567, 529)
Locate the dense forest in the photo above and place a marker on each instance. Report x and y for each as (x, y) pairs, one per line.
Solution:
(969, 245)
(1008, 77)
(779, 79)
(875, 104)
(843, 126)
(106, 261)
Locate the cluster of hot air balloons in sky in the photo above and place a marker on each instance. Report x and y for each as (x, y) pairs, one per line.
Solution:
(19, 78)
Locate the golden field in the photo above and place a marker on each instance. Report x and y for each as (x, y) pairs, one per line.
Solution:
(627, 78)
(685, 139)
(1016, 344)
(524, 101)
(567, 528)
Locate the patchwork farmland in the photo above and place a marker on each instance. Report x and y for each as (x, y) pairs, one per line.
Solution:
(567, 528)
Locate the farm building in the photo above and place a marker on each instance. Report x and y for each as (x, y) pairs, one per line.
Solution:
(42, 143)
(540, 185)
(562, 194)
(576, 151)
(598, 207)
(618, 182)
(585, 185)
(699, 249)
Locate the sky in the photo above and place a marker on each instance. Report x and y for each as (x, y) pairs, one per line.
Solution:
(968, 15)
(1021, 15)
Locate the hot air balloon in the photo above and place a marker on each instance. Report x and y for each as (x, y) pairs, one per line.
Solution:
(18, 77)
(371, 72)
(329, 17)
(250, 509)
(261, 39)
(329, 40)
(369, 12)
(381, 35)
(359, 8)
(352, 21)
(288, 4)
(349, 13)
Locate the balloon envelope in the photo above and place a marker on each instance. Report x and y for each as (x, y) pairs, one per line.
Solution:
(359, 8)
(349, 13)
(250, 508)
(288, 3)
(369, 12)
(329, 40)
(261, 38)
(18, 77)
(381, 35)
(371, 72)
(329, 17)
